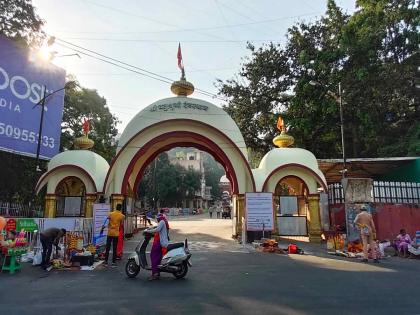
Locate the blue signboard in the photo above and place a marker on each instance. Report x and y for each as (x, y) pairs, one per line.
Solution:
(22, 85)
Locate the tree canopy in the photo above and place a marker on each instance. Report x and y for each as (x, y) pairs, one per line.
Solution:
(167, 184)
(19, 21)
(82, 103)
(373, 53)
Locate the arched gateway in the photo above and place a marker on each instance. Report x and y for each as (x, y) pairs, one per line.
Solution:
(190, 122)
(173, 122)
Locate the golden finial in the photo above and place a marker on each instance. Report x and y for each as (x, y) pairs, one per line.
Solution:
(83, 142)
(181, 87)
(283, 140)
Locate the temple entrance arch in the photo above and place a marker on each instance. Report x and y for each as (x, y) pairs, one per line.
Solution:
(135, 155)
(180, 122)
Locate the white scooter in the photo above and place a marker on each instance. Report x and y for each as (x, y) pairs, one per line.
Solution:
(176, 260)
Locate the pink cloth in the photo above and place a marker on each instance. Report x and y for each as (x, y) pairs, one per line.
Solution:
(402, 242)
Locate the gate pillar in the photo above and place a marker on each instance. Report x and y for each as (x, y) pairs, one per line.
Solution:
(90, 199)
(50, 206)
(239, 214)
(314, 219)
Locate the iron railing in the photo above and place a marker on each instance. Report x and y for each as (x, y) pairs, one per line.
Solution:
(383, 192)
(20, 210)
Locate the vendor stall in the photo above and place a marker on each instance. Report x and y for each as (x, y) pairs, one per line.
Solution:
(11, 250)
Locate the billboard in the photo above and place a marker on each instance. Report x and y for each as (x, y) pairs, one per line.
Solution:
(22, 85)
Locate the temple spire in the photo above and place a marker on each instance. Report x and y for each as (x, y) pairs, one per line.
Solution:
(181, 87)
(83, 142)
(283, 140)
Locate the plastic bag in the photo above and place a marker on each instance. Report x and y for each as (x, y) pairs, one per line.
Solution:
(37, 260)
(28, 257)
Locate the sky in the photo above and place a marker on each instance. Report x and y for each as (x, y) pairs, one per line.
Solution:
(213, 36)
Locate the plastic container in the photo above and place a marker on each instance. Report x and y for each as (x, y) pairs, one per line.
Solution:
(292, 249)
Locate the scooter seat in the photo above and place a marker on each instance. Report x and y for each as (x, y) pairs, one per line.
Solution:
(175, 245)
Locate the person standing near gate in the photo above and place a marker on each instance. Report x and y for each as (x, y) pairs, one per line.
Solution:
(365, 222)
(218, 211)
(211, 209)
(50, 237)
(115, 219)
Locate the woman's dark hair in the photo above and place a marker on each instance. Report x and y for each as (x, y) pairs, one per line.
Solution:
(402, 231)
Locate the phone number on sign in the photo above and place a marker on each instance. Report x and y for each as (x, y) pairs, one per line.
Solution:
(25, 135)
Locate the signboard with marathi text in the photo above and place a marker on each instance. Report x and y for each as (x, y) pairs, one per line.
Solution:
(259, 211)
(23, 81)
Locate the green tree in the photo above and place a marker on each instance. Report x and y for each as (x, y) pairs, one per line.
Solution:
(372, 53)
(80, 104)
(213, 171)
(382, 40)
(258, 95)
(19, 21)
(315, 54)
(168, 184)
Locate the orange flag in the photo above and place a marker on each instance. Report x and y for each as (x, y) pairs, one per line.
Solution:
(86, 126)
(280, 124)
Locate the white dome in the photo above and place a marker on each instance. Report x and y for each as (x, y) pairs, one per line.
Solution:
(181, 107)
(224, 179)
(94, 164)
(280, 156)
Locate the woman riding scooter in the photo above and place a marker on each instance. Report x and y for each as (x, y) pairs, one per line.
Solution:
(160, 244)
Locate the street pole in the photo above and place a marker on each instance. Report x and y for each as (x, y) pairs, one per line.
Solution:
(340, 102)
(41, 123)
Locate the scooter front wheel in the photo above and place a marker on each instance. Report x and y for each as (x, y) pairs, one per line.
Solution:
(182, 272)
(132, 269)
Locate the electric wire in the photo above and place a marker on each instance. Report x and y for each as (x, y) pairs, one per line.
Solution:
(207, 28)
(125, 66)
(233, 41)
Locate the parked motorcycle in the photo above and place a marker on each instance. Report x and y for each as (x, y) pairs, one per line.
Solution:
(176, 260)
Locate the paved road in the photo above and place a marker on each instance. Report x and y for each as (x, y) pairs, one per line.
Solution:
(223, 280)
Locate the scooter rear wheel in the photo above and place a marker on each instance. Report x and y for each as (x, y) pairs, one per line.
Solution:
(182, 272)
(132, 269)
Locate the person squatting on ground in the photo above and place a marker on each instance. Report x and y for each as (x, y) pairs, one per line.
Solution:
(402, 243)
(367, 231)
(50, 237)
(160, 244)
(115, 219)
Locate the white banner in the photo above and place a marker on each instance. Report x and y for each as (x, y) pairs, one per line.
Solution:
(60, 223)
(100, 214)
(259, 211)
